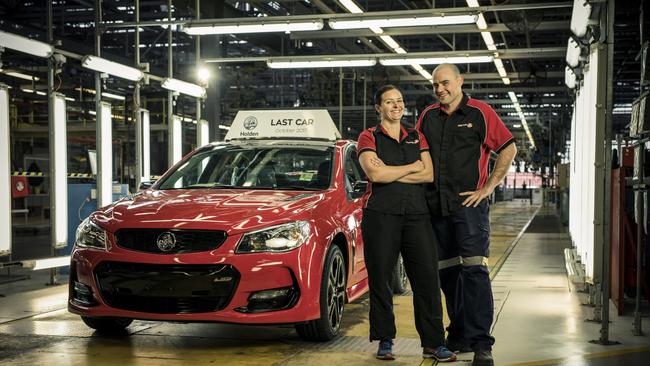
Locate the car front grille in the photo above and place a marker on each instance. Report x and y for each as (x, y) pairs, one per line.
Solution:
(186, 241)
(166, 289)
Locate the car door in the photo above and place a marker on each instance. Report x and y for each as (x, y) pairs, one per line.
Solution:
(355, 183)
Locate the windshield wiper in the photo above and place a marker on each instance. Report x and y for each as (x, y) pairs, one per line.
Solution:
(209, 186)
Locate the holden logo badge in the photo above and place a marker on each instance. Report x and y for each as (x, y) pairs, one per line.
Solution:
(20, 186)
(166, 241)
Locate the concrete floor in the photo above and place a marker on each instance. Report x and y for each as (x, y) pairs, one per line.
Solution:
(539, 321)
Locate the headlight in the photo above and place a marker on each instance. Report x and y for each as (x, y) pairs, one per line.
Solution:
(89, 235)
(279, 238)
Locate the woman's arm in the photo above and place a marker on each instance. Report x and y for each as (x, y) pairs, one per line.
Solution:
(386, 173)
(423, 176)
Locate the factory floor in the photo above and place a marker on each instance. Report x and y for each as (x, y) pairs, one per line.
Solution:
(539, 319)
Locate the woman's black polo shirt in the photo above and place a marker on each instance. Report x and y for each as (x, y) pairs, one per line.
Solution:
(395, 197)
(460, 146)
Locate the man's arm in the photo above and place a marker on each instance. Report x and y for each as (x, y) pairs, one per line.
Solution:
(385, 173)
(501, 167)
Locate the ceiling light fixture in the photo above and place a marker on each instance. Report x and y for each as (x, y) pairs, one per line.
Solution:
(20, 75)
(112, 68)
(318, 64)
(26, 45)
(390, 22)
(113, 96)
(260, 26)
(573, 53)
(183, 87)
(434, 60)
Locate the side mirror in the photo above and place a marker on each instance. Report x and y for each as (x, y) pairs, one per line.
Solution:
(145, 185)
(359, 188)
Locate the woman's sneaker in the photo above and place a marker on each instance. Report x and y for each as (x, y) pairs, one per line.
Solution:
(442, 354)
(385, 350)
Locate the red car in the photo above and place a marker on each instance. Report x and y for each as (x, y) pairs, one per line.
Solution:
(261, 229)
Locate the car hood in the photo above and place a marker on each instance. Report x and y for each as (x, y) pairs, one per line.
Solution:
(223, 209)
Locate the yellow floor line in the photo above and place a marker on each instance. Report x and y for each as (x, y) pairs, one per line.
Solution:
(585, 356)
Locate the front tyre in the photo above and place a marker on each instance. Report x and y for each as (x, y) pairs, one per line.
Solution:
(107, 325)
(332, 300)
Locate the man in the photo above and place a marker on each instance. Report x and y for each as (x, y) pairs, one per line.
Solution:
(462, 132)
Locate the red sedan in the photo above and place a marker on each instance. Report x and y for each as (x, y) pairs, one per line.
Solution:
(257, 230)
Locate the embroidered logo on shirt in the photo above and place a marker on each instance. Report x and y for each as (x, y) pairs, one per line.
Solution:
(412, 142)
(468, 125)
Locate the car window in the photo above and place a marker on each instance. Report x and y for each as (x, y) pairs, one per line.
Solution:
(353, 171)
(263, 167)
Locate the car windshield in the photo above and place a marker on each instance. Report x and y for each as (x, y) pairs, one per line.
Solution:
(255, 167)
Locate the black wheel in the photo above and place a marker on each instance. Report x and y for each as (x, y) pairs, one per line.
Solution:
(107, 325)
(400, 280)
(332, 300)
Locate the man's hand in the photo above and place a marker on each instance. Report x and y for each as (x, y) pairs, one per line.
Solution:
(475, 197)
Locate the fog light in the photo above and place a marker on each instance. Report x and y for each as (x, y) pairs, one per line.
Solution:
(83, 294)
(270, 300)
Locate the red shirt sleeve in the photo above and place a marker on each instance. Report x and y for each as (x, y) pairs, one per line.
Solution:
(497, 135)
(424, 145)
(366, 142)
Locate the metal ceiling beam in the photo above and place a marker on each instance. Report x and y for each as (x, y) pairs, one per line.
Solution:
(495, 76)
(539, 89)
(520, 53)
(428, 30)
(366, 15)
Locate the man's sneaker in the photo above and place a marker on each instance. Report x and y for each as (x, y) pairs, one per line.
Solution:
(385, 350)
(483, 358)
(459, 347)
(440, 353)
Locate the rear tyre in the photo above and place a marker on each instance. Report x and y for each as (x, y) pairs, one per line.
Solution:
(107, 325)
(332, 300)
(400, 280)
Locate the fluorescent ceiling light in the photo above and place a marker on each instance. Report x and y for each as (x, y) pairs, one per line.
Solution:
(513, 97)
(112, 68)
(316, 64)
(580, 17)
(26, 45)
(227, 128)
(472, 3)
(33, 91)
(489, 41)
(425, 74)
(59, 161)
(480, 22)
(5, 168)
(20, 75)
(113, 96)
(351, 6)
(434, 60)
(105, 158)
(569, 78)
(183, 87)
(573, 52)
(389, 22)
(502, 70)
(260, 26)
(390, 42)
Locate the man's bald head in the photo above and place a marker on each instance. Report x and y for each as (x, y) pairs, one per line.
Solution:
(451, 67)
(447, 85)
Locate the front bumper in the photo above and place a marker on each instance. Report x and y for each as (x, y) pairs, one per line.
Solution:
(209, 286)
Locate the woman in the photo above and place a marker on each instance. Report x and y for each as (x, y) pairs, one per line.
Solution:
(396, 220)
